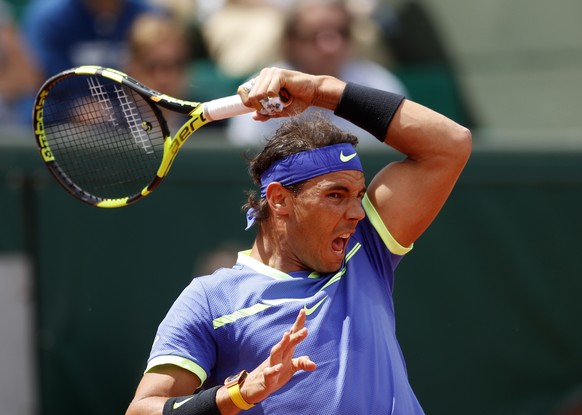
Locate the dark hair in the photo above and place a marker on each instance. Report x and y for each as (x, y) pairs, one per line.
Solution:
(296, 134)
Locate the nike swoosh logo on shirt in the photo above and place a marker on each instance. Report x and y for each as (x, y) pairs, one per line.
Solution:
(310, 310)
(345, 159)
(280, 301)
(179, 404)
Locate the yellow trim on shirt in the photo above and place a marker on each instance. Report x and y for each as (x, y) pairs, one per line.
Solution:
(374, 217)
(182, 362)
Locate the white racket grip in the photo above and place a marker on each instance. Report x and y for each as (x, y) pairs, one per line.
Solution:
(221, 108)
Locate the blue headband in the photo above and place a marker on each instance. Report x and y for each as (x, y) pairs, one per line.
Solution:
(306, 165)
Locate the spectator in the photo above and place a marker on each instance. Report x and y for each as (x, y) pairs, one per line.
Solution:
(19, 77)
(237, 47)
(317, 40)
(159, 56)
(67, 33)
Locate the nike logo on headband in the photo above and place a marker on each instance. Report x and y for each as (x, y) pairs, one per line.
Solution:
(345, 159)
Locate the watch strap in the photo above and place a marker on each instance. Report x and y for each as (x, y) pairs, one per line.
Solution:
(233, 384)
(237, 398)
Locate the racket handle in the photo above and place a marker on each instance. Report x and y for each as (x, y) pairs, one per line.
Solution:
(221, 108)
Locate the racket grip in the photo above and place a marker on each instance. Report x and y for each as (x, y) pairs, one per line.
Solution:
(221, 108)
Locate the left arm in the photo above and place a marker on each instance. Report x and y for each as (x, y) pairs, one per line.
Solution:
(407, 194)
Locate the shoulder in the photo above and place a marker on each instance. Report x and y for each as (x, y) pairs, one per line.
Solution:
(52, 9)
(50, 17)
(374, 229)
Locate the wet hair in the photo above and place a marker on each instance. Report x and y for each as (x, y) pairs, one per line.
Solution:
(296, 134)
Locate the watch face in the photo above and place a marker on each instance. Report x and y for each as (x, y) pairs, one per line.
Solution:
(232, 378)
(238, 378)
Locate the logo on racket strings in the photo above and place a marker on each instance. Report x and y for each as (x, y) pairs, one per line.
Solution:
(45, 151)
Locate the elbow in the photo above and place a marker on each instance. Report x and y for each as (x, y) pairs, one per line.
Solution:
(465, 142)
(461, 144)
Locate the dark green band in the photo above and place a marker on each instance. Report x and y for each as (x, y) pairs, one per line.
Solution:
(369, 108)
(201, 403)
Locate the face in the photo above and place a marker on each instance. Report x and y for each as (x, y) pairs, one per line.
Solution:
(321, 41)
(110, 7)
(163, 68)
(323, 217)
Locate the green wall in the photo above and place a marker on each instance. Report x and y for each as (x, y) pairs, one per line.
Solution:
(488, 304)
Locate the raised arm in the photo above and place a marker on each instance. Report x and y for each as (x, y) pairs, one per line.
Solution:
(407, 194)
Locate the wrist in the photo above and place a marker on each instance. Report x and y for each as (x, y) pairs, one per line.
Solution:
(328, 92)
(233, 385)
(203, 402)
(369, 108)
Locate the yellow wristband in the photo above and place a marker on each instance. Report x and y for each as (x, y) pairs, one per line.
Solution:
(237, 399)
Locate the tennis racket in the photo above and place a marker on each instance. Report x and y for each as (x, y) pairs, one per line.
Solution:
(103, 137)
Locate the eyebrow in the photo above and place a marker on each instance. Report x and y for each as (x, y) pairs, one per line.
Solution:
(344, 188)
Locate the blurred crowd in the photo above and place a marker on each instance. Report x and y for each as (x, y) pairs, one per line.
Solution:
(203, 50)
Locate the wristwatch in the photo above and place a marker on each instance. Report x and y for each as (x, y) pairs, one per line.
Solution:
(233, 384)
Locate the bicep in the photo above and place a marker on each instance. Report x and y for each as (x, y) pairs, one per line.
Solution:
(408, 196)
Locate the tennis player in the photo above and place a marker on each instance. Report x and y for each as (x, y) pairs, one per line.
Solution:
(304, 322)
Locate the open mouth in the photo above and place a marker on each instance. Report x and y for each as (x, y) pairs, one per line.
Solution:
(339, 244)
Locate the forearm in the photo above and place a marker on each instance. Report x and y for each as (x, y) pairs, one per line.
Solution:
(214, 401)
(151, 405)
(410, 128)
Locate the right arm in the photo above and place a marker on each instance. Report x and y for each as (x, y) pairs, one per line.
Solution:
(167, 381)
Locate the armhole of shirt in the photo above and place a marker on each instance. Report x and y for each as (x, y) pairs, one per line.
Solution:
(180, 362)
(374, 218)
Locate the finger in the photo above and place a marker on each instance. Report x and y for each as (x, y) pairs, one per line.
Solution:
(278, 350)
(288, 352)
(299, 321)
(257, 116)
(297, 337)
(244, 91)
(269, 83)
(304, 363)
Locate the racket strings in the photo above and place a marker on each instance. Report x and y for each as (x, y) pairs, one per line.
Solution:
(106, 138)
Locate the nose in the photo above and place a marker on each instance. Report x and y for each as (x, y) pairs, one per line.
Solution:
(329, 41)
(356, 210)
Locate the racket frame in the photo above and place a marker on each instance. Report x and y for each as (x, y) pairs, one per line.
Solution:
(198, 113)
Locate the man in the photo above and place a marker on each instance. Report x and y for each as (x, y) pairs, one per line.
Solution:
(319, 39)
(67, 33)
(159, 57)
(323, 261)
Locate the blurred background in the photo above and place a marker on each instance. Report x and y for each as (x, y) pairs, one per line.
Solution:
(488, 303)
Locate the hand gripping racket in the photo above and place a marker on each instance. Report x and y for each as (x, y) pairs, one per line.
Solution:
(103, 137)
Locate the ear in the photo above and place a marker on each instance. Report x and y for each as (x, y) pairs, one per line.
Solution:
(278, 198)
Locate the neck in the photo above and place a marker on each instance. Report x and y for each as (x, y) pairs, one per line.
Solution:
(268, 248)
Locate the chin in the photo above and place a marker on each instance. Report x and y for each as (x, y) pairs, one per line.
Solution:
(330, 267)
